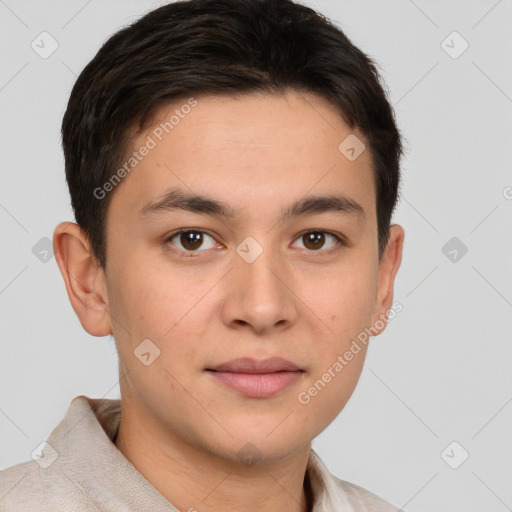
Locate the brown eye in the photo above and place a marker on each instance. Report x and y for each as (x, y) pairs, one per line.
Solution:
(316, 240)
(192, 240)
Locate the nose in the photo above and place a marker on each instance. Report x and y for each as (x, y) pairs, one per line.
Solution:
(259, 295)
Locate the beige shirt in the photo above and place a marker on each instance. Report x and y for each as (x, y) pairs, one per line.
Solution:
(82, 470)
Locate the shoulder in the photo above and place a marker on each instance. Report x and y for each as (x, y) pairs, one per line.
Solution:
(21, 487)
(361, 499)
(339, 494)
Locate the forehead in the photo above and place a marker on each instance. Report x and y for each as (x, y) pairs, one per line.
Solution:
(250, 150)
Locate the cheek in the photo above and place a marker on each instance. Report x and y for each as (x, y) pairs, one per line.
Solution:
(153, 302)
(328, 389)
(345, 301)
(342, 301)
(167, 311)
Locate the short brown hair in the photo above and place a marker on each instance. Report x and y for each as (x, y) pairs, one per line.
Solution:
(196, 47)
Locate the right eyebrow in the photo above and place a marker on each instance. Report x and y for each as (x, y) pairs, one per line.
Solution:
(176, 199)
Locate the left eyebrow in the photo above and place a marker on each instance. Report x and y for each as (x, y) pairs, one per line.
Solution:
(322, 204)
(176, 198)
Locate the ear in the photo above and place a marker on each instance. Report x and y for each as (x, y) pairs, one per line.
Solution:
(84, 278)
(388, 267)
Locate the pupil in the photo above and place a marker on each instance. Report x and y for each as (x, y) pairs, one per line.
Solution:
(191, 239)
(315, 239)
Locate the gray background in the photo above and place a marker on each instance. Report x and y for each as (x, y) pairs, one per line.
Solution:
(441, 372)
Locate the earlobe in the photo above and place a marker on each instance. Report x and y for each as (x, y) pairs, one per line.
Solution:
(84, 278)
(388, 268)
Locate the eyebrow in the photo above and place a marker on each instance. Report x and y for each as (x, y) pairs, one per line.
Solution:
(177, 199)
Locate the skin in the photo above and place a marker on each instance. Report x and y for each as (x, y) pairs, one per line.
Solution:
(180, 428)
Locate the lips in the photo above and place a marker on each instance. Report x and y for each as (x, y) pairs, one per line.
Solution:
(257, 379)
(248, 365)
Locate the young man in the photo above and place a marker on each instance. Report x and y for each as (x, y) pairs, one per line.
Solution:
(233, 167)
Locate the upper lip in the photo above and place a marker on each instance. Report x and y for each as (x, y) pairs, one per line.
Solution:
(248, 365)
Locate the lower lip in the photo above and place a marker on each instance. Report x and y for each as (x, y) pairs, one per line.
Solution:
(258, 385)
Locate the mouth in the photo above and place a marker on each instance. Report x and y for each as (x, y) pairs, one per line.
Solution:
(257, 379)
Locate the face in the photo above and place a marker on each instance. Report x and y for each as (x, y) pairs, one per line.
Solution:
(278, 258)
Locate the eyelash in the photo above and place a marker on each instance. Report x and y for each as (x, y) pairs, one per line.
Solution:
(339, 239)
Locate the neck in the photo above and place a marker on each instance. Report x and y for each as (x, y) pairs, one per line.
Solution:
(193, 479)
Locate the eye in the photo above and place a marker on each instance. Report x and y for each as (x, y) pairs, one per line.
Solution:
(316, 240)
(191, 240)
